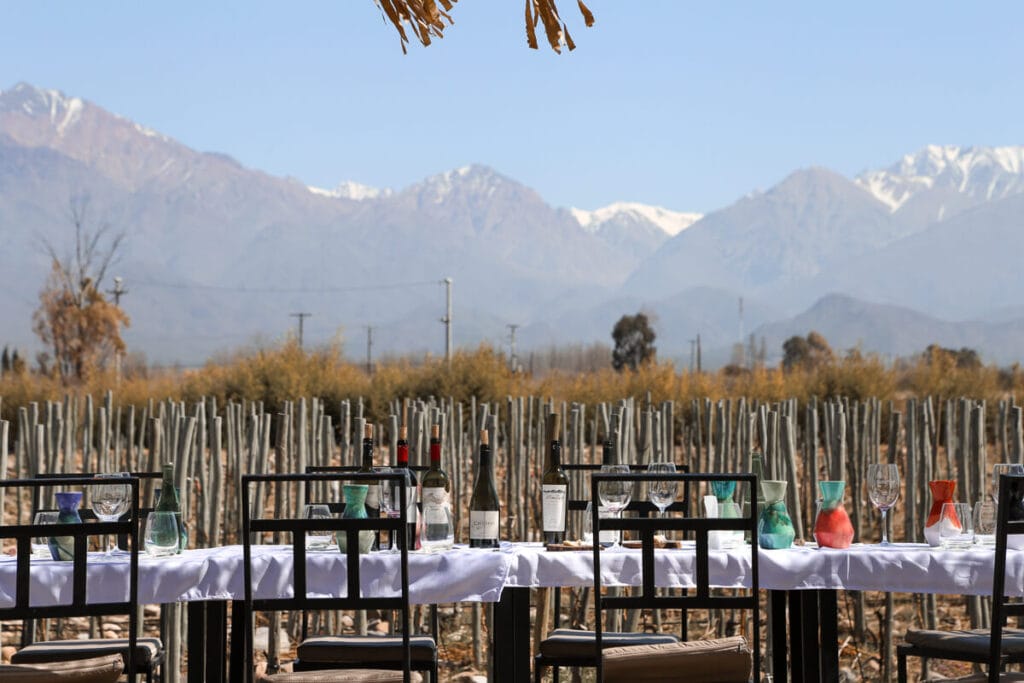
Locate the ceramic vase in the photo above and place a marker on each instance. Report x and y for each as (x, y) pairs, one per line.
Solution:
(63, 547)
(942, 492)
(355, 508)
(832, 525)
(775, 528)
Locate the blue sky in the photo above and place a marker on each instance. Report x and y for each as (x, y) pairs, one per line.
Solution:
(687, 105)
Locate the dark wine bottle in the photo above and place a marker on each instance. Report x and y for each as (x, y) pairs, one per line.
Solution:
(554, 488)
(607, 538)
(484, 508)
(373, 487)
(411, 511)
(436, 485)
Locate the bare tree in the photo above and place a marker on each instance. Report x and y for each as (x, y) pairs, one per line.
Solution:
(74, 319)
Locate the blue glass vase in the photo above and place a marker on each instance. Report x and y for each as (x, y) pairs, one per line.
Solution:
(63, 547)
(775, 528)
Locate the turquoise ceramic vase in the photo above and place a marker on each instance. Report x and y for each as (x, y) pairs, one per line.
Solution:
(775, 529)
(724, 491)
(63, 547)
(355, 508)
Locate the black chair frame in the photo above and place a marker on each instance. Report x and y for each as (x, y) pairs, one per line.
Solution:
(1001, 606)
(353, 600)
(79, 606)
(642, 508)
(646, 528)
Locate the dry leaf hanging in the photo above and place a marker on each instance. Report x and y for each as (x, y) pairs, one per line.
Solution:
(426, 20)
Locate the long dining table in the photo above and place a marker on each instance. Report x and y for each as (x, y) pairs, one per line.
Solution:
(802, 582)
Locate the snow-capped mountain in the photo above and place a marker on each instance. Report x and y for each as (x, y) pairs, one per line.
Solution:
(349, 189)
(941, 180)
(671, 222)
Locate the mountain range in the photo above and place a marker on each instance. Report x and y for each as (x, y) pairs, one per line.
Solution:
(218, 255)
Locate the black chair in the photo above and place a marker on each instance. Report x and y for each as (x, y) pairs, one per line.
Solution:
(140, 655)
(641, 508)
(999, 645)
(404, 652)
(568, 647)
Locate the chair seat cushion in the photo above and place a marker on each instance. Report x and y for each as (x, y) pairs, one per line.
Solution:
(147, 650)
(720, 660)
(967, 642)
(105, 669)
(338, 676)
(364, 650)
(572, 643)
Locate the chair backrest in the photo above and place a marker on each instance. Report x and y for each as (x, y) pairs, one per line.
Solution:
(297, 527)
(699, 528)
(644, 508)
(333, 505)
(22, 534)
(1009, 521)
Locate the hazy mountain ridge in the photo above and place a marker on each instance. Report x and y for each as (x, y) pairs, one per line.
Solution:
(217, 253)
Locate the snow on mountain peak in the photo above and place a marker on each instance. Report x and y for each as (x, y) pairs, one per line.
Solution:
(349, 189)
(672, 222)
(981, 173)
(63, 111)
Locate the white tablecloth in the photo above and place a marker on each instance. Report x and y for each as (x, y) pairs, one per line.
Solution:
(464, 575)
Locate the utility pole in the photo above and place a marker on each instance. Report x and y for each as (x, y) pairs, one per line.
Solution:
(447, 320)
(117, 292)
(698, 355)
(302, 317)
(369, 349)
(513, 360)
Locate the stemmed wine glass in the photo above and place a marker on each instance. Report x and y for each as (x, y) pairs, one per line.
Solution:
(615, 494)
(661, 492)
(999, 470)
(110, 500)
(390, 501)
(883, 490)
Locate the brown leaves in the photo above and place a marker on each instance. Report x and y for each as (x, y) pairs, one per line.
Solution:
(426, 20)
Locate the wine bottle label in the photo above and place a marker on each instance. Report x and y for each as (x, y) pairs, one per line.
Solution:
(483, 525)
(373, 496)
(554, 497)
(434, 495)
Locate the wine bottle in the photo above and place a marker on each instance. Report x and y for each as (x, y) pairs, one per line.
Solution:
(554, 488)
(607, 538)
(484, 508)
(436, 486)
(169, 501)
(411, 510)
(373, 487)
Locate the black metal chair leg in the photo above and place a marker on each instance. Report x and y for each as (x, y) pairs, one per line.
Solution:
(901, 667)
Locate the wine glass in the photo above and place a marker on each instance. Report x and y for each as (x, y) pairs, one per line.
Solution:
(387, 500)
(615, 494)
(884, 490)
(162, 537)
(999, 470)
(41, 544)
(317, 540)
(661, 492)
(956, 529)
(110, 500)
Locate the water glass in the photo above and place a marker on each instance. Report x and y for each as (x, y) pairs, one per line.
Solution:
(438, 532)
(956, 528)
(41, 544)
(110, 501)
(607, 538)
(162, 537)
(1000, 469)
(985, 522)
(317, 540)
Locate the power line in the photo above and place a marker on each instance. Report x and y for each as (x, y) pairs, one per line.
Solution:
(282, 290)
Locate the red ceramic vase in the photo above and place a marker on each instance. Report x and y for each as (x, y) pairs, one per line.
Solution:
(832, 526)
(942, 492)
